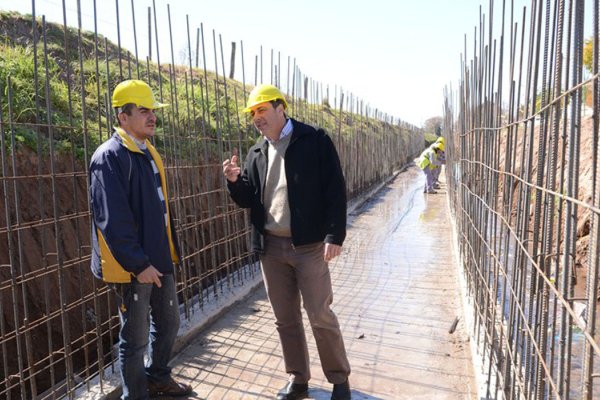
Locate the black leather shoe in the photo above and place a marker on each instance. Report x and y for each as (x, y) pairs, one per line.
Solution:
(341, 391)
(293, 391)
(169, 388)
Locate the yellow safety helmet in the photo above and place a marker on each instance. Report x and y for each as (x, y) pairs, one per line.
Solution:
(440, 143)
(262, 94)
(136, 92)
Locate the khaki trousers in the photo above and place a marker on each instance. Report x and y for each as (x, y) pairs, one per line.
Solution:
(288, 273)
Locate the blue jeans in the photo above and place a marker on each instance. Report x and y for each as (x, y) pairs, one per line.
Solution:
(146, 312)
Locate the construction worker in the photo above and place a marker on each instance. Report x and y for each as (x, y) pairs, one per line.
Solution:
(441, 157)
(426, 161)
(134, 246)
(297, 164)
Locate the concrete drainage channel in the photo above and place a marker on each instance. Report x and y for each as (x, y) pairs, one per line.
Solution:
(202, 317)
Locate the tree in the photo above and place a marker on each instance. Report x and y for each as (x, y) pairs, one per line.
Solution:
(588, 54)
(433, 125)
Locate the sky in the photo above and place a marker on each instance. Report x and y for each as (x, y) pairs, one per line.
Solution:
(395, 55)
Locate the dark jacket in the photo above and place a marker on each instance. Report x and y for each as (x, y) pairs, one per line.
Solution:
(128, 223)
(315, 184)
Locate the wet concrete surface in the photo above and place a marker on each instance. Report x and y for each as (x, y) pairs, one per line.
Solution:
(396, 296)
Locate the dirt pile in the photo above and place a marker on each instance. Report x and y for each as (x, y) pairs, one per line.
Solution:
(583, 173)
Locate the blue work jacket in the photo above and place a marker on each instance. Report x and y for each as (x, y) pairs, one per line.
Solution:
(129, 232)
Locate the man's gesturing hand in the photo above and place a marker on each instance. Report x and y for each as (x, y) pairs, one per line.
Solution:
(231, 170)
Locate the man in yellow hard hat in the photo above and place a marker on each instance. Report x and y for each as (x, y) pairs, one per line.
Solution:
(440, 156)
(294, 186)
(134, 247)
(427, 161)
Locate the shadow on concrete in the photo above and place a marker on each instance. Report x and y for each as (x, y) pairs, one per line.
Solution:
(322, 394)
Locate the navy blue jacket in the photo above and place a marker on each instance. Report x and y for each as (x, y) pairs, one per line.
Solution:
(128, 223)
(315, 184)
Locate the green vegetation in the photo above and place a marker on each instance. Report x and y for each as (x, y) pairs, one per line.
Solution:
(588, 54)
(34, 117)
(432, 128)
(78, 99)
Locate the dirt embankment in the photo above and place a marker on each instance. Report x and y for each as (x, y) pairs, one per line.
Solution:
(54, 312)
(583, 174)
(44, 248)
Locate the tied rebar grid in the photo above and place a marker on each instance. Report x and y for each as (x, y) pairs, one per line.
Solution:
(58, 324)
(523, 176)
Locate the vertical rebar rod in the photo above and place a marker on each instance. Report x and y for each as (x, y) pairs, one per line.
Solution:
(225, 200)
(15, 240)
(594, 241)
(193, 175)
(137, 60)
(157, 47)
(119, 40)
(57, 228)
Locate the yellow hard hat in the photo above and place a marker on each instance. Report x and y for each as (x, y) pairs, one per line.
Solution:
(440, 143)
(136, 92)
(262, 94)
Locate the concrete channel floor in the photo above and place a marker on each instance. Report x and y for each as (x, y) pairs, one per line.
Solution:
(396, 296)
